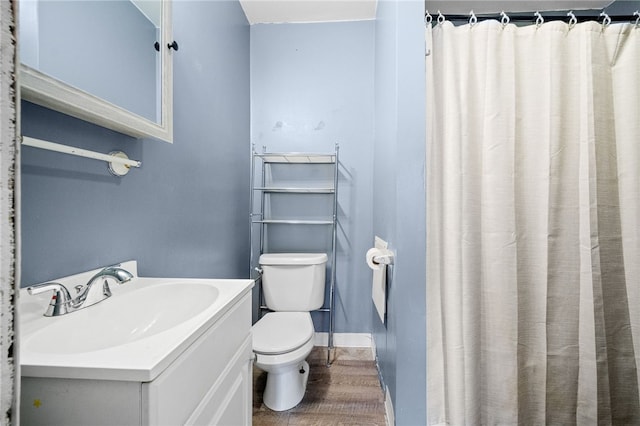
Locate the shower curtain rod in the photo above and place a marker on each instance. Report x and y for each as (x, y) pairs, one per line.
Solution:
(550, 16)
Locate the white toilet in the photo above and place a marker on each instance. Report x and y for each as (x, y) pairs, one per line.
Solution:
(293, 285)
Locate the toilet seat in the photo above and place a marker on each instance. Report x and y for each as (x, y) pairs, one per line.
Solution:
(282, 332)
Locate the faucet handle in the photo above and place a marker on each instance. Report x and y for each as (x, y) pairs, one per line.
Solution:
(60, 301)
(41, 288)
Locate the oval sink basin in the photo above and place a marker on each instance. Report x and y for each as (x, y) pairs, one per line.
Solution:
(123, 318)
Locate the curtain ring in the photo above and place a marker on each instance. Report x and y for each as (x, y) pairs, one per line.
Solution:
(573, 20)
(504, 19)
(473, 19)
(428, 19)
(539, 19)
(606, 21)
(637, 13)
(441, 18)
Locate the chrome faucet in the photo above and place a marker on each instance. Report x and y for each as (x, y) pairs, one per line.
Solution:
(91, 293)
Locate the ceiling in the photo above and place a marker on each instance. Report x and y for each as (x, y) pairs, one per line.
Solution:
(151, 9)
(290, 11)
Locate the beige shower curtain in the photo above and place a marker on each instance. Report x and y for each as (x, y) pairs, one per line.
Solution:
(533, 189)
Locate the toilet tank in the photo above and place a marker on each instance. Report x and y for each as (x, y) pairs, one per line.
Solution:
(293, 281)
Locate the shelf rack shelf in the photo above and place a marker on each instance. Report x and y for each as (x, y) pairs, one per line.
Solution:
(261, 188)
(297, 157)
(295, 222)
(297, 190)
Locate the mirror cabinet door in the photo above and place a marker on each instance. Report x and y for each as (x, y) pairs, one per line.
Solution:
(108, 62)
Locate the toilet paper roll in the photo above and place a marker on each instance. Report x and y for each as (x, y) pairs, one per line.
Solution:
(371, 253)
(379, 281)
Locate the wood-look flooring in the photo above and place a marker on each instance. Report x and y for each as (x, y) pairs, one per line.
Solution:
(347, 393)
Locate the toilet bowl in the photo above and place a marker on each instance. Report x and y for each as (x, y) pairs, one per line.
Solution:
(281, 343)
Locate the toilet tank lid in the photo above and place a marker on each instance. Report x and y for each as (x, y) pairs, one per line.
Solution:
(293, 258)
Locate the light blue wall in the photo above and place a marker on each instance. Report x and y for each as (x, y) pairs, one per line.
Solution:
(312, 86)
(399, 202)
(184, 213)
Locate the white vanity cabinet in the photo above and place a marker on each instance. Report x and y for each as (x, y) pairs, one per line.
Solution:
(209, 383)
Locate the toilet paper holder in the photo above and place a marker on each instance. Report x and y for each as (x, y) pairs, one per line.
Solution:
(384, 259)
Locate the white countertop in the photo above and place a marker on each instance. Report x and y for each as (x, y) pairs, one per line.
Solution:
(138, 360)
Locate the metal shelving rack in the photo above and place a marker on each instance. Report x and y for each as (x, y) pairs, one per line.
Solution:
(259, 220)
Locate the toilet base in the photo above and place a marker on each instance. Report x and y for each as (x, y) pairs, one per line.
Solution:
(285, 389)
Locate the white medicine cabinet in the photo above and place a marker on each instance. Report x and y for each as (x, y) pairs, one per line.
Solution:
(105, 62)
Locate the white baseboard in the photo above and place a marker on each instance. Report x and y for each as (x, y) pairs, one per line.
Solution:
(388, 408)
(345, 340)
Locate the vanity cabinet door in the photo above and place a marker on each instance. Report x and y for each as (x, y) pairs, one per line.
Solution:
(229, 401)
(177, 395)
